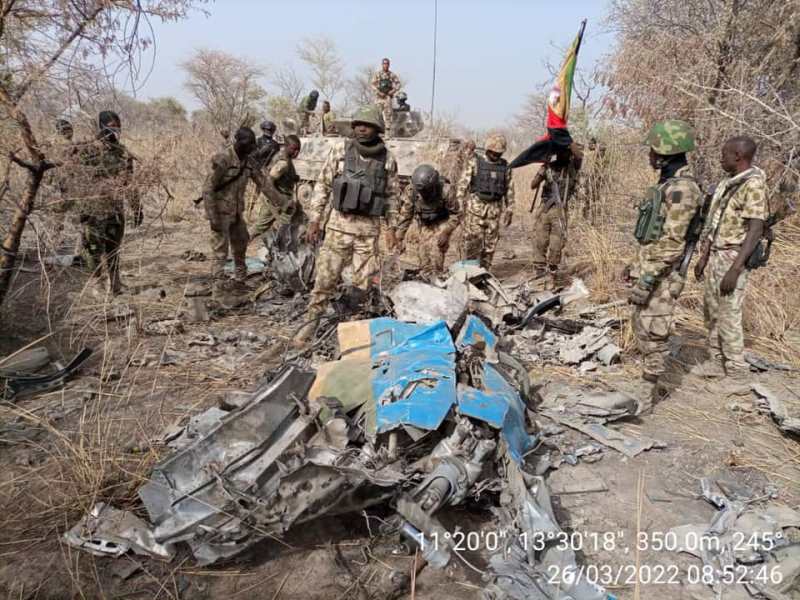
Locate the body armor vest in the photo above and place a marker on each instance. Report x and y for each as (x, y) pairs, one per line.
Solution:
(385, 84)
(430, 210)
(490, 181)
(361, 188)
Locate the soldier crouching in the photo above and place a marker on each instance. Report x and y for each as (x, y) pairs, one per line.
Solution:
(430, 201)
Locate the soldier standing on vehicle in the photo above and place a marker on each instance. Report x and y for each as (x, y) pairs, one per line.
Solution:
(305, 112)
(223, 200)
(402, 102)
(105, 183)
(428, 200)
(278, 202)
(328, 120)
(385, 84)
(486, 193)
(560, 179)
(665, 217)
(732, 231)
(355, 195)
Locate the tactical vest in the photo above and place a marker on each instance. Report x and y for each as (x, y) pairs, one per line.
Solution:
(432, 210)
(652, 215)
(384, 84)
(361, 187)
(490, 181)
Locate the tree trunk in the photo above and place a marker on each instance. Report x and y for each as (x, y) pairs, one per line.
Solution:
(10, 248)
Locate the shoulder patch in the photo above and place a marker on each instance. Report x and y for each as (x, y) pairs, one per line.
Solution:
(676, 197)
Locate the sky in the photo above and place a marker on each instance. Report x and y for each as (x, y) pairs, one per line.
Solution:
(490, 53)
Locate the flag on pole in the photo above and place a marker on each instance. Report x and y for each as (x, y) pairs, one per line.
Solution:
(558, 103)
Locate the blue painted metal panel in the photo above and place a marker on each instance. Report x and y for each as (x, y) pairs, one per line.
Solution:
(473, 331)
(499, 404)
(414, 377)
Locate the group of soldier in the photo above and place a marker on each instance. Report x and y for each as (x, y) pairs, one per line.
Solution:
(730, 232)
(358, 196)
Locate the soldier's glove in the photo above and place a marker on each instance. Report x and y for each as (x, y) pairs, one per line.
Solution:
(507, 217)
(640, 293)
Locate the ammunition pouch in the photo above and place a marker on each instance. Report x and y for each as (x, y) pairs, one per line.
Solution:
(352, 196)
(650, 223)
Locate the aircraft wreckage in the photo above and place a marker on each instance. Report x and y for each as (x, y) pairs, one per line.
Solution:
(420, 416)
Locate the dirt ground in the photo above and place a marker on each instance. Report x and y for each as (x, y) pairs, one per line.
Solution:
(97, 438)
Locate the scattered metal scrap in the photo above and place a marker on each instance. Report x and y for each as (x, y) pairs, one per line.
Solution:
(412, 413)
(785, 415)
(22, 385)
(587, 410)
(746, 550)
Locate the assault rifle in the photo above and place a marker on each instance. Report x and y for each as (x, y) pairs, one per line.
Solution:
(694, 231)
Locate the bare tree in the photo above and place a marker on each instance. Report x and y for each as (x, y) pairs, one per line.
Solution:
(288, 84)
(226, 86)
(359, 87)
(46, 42)
(321, 55)
(728, 66)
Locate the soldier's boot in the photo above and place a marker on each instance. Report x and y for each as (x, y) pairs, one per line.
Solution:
(307, 331)
(709, 369)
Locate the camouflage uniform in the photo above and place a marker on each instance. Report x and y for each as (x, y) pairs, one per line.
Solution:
(659, 260)
(223, 199)
(550, 218)
(482, 217)
(305, 116)
(385, 84)
(349, 238)
(103, 184)
(429, 253)
(329, 123)
(278, 203)
(735, 200)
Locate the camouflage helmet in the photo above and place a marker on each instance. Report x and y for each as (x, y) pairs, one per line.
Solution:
(268, 127)
(496, 143)
(401, 96)
(670, 137)
(424, 177)
(370, 115)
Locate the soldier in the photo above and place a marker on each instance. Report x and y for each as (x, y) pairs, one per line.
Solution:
(430, 200)
(732, 231)
(108, 180)
(665, 217)
(328, 120)
(560, 178)
(266, 146)
(402, 102)
(223, 200)
(355, 194)
(305, 111)
(385, 84)
(278, 204)
(486, 193)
